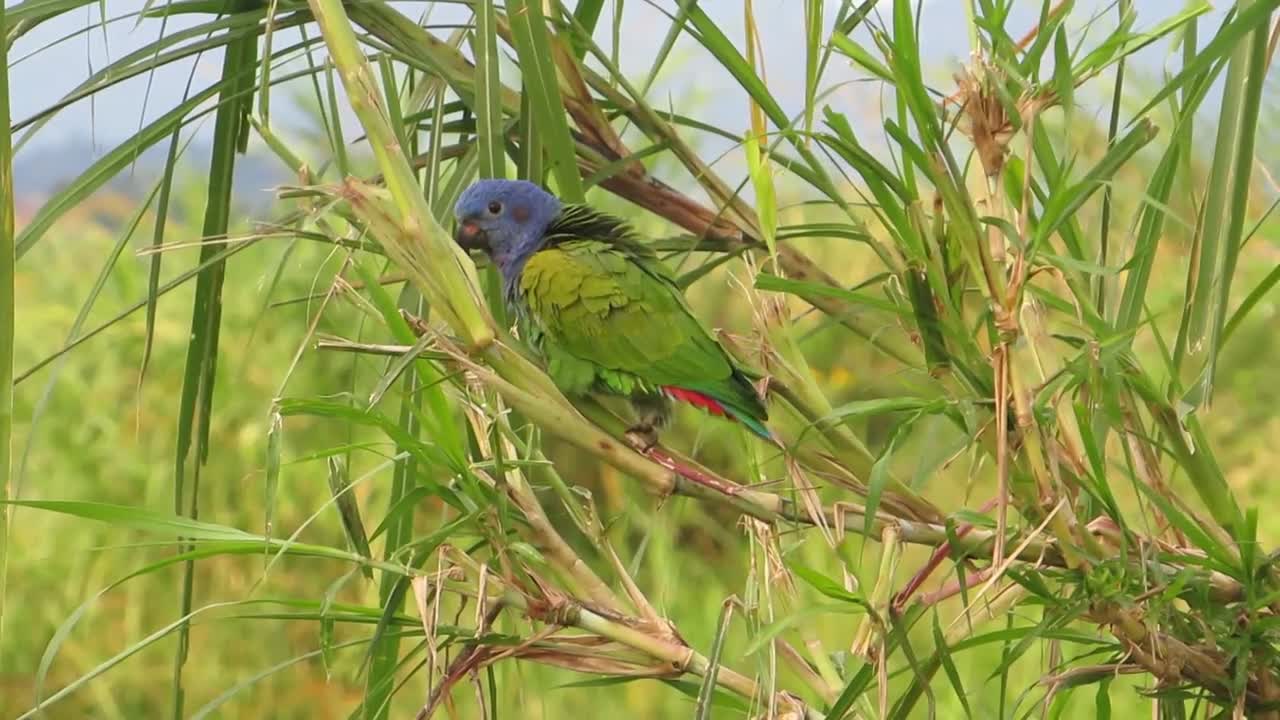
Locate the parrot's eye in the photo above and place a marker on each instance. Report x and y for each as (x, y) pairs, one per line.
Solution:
(495, 207)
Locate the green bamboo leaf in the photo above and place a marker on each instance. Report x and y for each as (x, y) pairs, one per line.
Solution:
(440, 419)
(880, 406)
(760, 169)
(812, 58)
(1223, 44)
(1199, 537)
(490, 125)
(909, 75)
(1256, 61)
(272, 470)
(538, 70)
(397, 368)
(674, 31)
(861, 57)
(530, 163)
(135, 518)
(807, 289)
(348, 510)
(880, 477)
(1122, 42)
(827, 586)
(1051, 18)
(1102, 700)
(230, 134)
(1063, 80)
(585, 16)
(425, 452)
(714, 39)
(756, 148)
(851, 692)
(1062, 205)
(22, 17)
(949, 666)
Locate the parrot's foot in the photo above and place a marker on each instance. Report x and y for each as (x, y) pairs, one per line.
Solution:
(652, 413)
(642, 438)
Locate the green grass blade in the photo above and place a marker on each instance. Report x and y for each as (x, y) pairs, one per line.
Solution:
(530, 161)
(949, 666)
(706, 692)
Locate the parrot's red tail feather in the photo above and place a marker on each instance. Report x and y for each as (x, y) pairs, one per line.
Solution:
(715, 407)
(695, 399)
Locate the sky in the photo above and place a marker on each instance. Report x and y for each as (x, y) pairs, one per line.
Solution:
(51, 60)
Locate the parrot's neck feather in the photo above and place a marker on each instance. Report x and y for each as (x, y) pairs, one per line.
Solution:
(573, 222)
(578, 222)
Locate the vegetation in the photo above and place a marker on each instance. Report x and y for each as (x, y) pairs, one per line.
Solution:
(1011, 356)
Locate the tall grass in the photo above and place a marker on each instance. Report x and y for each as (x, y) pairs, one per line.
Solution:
(1030, 499)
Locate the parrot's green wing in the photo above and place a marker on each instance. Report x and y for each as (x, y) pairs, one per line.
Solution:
(610, 313)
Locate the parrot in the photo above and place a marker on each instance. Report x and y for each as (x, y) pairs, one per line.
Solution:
(600, 307)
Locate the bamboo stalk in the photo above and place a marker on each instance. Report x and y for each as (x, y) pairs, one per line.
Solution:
(442, 270)
(547, 539)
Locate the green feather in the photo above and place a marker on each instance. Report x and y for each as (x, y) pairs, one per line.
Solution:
(609, 317)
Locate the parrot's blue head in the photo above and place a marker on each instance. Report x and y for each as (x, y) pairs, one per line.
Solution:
(506, 219)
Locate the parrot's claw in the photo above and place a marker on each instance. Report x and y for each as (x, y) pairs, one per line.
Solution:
(642, 438)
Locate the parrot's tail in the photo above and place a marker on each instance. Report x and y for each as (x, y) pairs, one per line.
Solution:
(753, 425)
(715, 407)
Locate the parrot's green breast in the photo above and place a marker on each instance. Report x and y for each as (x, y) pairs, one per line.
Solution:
(609, 318)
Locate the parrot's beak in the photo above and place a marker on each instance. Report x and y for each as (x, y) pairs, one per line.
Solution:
(471, 237)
